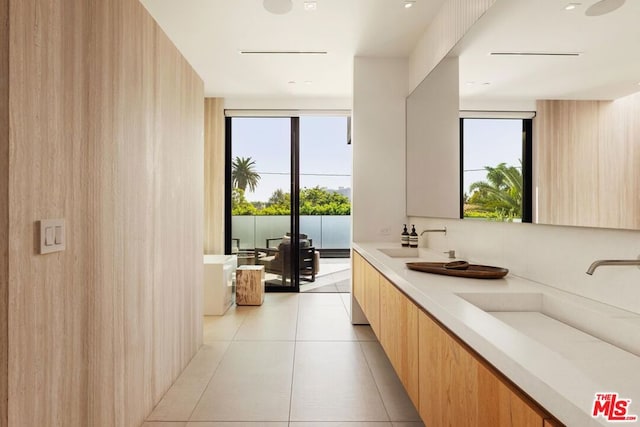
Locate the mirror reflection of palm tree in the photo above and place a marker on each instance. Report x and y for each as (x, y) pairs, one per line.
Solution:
(243, 174)
(503, 191)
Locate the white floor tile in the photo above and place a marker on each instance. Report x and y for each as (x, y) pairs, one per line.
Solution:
(270, 323)
(237, 424)
(325, 323)
(181, 399)
(364, 333)
(316, 300)
(252, 383)
(323, 317)
(163, 424)
(346, 301)
(251, 373)
(341, 424)
(224, 328)
(332, 382)
(274, 327)
(396, 400)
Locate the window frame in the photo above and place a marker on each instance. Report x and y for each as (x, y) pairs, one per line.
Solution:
(527, 155)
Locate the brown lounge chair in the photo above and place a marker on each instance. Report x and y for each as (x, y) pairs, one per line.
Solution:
(278, 260)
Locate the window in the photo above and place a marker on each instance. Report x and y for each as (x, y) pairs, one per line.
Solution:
(496, 169)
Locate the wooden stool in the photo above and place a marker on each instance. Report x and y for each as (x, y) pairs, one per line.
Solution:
(250, 285)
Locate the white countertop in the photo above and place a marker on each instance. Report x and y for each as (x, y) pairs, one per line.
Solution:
(563, 383)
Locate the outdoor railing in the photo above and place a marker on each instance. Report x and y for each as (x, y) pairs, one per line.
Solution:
(327, 231)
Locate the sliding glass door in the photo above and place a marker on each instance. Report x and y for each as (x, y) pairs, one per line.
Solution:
(259, 185)
(288, 195)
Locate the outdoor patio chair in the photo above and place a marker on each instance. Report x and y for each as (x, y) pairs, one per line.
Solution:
(278, 260)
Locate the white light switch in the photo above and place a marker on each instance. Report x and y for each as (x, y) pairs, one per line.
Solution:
(59, 240)
(49, 236)
(52, 235)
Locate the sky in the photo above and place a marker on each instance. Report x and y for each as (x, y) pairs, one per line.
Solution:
(323, 151)
(488, 142)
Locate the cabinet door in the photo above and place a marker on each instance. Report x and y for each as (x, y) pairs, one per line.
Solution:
(501, 406)
(399, 335)
(357, 284)
(372, 297)
(447, 374)
(458, 389)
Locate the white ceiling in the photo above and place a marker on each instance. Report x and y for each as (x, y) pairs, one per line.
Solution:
(608, 68)
(210, 34)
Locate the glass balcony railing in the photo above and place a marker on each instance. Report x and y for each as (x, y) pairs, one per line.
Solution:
(326, 231)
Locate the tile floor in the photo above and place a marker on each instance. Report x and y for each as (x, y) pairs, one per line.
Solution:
(294, 361)
(336, 282)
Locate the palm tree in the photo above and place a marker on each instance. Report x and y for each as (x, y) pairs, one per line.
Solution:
(502, 192)
(243, 175)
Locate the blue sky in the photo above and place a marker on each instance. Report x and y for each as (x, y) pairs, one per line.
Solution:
(488, 142)
(323, 151)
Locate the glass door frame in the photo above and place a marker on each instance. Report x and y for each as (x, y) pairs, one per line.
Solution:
(294, 188)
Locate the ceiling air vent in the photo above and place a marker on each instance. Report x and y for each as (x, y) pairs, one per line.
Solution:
(283, 52)
(535, 53)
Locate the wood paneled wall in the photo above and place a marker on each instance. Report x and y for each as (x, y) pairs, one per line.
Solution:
(106, 132)
(587, 162)
(4, 206)
(214, 179)
(453, 20)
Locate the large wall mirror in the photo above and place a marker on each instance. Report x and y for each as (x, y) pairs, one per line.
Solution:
(575, 68)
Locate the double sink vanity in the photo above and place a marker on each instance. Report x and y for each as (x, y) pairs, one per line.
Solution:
(507, 352)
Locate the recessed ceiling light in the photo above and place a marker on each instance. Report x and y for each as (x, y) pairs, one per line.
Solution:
(603, 7)
(310, 5)
(308, 82)
(278, 7)
(470, 83)
(292, 82)
(408, 3)
(572, 6)
(485, 83)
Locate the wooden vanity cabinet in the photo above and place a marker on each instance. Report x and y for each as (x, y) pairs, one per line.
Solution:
(366, 290)
(399, 335)
(372, 298)
(357, 278)
(447, 381)
(458, 388)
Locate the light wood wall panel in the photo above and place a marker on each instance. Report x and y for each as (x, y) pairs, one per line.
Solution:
(214, 179)
(452, 21)
(4, 206)
(587, 158)
(106, 132)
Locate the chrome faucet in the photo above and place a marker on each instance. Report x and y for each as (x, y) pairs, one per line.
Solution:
(600, 262)
(443, 230)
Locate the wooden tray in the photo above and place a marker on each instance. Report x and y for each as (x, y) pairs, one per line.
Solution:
(473, 271)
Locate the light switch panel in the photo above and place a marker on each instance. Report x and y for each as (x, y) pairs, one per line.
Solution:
(59, 235)
(49, 236)
(52, 235)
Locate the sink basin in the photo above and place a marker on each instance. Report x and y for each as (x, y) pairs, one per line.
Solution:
(576, 330)
(401, 252)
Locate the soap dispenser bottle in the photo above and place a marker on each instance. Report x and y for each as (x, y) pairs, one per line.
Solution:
(413, 237)
(404, 237)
